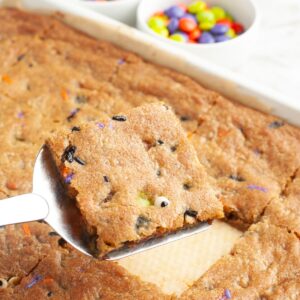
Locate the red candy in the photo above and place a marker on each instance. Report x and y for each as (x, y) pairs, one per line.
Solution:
(187, 24)
(195, 34)
(225, 22)
(238, 28)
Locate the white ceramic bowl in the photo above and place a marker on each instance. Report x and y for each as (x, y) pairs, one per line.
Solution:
(230, 53)
(121, 10)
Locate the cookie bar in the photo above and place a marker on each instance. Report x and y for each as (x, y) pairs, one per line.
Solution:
(263, 263)
(134, 176)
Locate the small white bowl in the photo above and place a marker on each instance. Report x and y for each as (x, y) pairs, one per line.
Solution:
(230, 53)
(121, 10)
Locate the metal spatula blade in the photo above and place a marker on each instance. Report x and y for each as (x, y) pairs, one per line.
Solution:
(49, 202)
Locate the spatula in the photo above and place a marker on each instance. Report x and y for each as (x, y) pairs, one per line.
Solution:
(48, 202)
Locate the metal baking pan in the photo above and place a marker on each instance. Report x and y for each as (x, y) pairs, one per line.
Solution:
(175, 266)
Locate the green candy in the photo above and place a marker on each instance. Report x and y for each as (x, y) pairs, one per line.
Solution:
(196, 7)
(142, 200)
(161, 31)
(207, 25)
(156, 23)
(177, 38)
(218, 12)
(206, 17)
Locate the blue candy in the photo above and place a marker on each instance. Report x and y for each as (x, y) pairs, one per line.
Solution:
(219, 29)
(174, 12)
(206, 38)
(190, 16)
(173, 25)
(221, 38)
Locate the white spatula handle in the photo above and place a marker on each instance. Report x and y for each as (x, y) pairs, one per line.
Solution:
(24, 208)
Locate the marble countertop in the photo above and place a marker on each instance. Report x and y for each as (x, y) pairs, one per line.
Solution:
(275, 60)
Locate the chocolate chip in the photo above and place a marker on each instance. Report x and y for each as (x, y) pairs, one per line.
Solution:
(68, 155)
(53, 233)
(231, 215)
(75, 128)
(61, 242)
(187, 186)
(276, 124)
(106, 179)
(174, 148)
(158, 173)
(184, 118)
(237, 178)
(160, 142)
(142, 222)
(191, 213)
(119, 118)
(79, 161)
(81, 99)
(49, 294)
(109, 196)
(20, 57)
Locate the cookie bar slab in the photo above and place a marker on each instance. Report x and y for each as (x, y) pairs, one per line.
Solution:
(134, 176)
(261, 264)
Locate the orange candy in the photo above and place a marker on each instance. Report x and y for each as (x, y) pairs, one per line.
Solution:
(225, 22)
(187, 24)
(195, 34)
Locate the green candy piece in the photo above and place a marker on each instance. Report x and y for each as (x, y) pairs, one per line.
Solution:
(218, 12)
(196, 7)
(206, 17)
(177, 38)
(207, 25)
(156, 23)
(142, 200)
(161, 31)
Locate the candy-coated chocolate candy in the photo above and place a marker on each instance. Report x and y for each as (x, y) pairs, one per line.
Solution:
(231, 33)
(195, 34)
(237, 27)
(156, 22)
(218, 12)
(196, 7)
(174, 12)
(179, 37)
(190, 16)
(221, 38)
(207, 25)
(161, 31)
(173, 25)
(225, 22)
(219, 29)
(206, 38)
(187, 24)
(206, 17)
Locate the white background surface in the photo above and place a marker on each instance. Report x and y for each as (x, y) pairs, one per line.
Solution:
(275, 60)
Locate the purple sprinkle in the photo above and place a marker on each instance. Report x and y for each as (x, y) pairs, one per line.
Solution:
(257, 188)
(20, 115)
(73, 114)
(69, 178)
(34, 281)
(100, 125)
(257, 152)
(121, 61)
(227, 294)
(111, 126)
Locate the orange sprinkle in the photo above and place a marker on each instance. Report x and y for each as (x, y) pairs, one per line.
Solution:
(26, 229)
(64, 171)
(6, 79)
(222, 132)
(64, 94)
(11, 186)
(47, 279)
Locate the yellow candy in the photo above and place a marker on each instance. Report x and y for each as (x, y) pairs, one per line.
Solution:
(161, 31)
(207, 25)
(156, 22)
(231, 33)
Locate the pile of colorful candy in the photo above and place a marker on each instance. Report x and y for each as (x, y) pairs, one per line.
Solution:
(195, 23)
